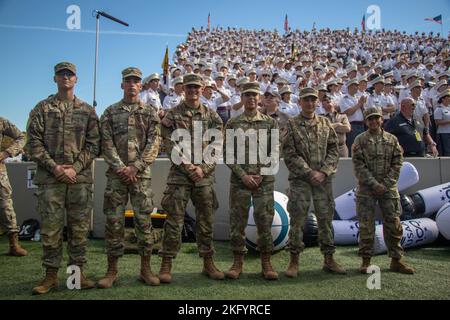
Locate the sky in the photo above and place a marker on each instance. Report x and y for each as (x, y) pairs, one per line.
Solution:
(35, 37)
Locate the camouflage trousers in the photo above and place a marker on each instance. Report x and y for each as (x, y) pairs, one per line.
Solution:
(114, 205)
(300, 195)
(8, 220)
(174, 203)
(55, 200)
(241, 198)
(392, 228)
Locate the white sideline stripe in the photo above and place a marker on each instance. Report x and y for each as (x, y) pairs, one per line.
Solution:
(125, 33)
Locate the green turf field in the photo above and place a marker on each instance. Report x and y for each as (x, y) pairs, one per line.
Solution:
(432, 280)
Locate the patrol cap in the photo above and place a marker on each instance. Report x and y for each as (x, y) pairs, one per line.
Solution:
(443, 94)
(353, 81)
(440, 84)
(208, 83)
(208, 67)
(251, 87)
(322, 87)
(285, 89)
(250, 71)
(281, 80)
(379, 79)
(352, 68)
(192, 78)
(153, 76)
(415, 84)
(442, 74)
(273, 93)
(389, 74)
(362, 78)
(307, 92)
(372, 111)
(231, 77)
(219, 75)
(65, 66)
(177, 80)
(411, 74)
(131, 72)
(242, 81)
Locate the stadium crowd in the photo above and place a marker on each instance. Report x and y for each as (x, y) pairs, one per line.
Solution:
(406, 75)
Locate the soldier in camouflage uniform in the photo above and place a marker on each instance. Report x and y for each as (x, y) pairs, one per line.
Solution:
(248, 185)
(131, 137)
(7, 215)
(310, 151)
(377, 160)
(189, 179)
(63, 139)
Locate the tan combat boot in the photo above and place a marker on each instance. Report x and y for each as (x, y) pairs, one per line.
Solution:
(164, 272)
(364, 265)
(85, 283)
(236, 269)
(14, 247)
(398, 266)
(292, 270)
(210, 270)
(147, 275)
(49, 282)
(111, 275)
(330, 265)
(268, 272)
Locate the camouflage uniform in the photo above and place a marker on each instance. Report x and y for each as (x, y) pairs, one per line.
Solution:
(180, 188)
(7, 215)
(130, 136)
(377, 159)
(63, 133)
(310, 144)
(241, 197)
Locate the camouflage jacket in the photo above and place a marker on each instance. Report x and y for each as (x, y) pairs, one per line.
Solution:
(258, 122)
(310, 144)
(9, 130)
(131, 135)
(377, 159)
(61, 133)
(184, 117)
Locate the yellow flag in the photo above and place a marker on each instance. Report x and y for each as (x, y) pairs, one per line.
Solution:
(165, 63)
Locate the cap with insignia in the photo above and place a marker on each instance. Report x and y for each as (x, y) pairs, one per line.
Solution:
(241, 81)
(273, 93)
(192, 78)
(307, 92)
(353, 81)
(414, 84)
(411, 74)
(251, 87)
(219, 75)
(285, 89)
(443, 94)
(372, 111)
(379, 79)
(65, 66)
(153, 76)
(177, 80)
(131, 72)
